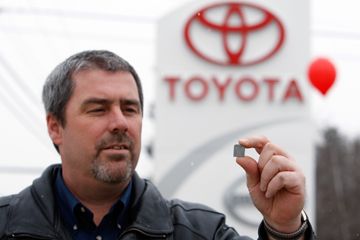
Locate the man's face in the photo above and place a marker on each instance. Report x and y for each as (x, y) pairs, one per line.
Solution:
(102, 136)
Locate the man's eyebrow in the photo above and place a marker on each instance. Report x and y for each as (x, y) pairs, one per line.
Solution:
(100, 101)
(103, 101)
(130, 102)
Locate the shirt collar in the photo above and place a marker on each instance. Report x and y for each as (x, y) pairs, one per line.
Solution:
(69, 205)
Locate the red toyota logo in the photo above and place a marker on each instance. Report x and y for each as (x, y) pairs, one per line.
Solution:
(233, 33)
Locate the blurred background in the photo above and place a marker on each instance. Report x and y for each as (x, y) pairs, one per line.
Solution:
(35, 35)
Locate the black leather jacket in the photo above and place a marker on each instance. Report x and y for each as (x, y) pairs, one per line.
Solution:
(32, 214)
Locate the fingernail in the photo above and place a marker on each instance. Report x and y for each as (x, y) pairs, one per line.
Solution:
(243, 141)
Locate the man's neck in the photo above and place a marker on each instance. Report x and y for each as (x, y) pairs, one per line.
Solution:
(97, 196)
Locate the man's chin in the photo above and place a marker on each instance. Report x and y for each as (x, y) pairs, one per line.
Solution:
(113, 172)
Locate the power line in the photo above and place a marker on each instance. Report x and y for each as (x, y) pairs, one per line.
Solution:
(78, 14)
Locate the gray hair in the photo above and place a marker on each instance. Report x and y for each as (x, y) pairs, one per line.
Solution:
(59, 86)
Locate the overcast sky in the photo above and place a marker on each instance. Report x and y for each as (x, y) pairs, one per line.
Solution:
(336, 34)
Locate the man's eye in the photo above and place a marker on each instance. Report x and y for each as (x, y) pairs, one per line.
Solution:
(96, 110)
(131, 110)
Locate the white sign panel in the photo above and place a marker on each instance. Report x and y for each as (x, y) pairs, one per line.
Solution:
(228, 70)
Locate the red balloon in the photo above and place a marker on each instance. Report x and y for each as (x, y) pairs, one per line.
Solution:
(322, 74)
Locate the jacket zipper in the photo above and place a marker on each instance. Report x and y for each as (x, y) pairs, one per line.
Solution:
(30, 236)
(152, 235)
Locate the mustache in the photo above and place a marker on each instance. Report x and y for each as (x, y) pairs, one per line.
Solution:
(116, 138)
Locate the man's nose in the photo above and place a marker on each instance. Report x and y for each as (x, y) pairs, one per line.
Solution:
(118, 121)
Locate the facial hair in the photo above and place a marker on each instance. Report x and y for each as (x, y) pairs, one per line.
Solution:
(103, 169)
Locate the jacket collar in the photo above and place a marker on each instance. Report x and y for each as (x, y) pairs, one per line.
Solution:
(34, 207)
(149, 211)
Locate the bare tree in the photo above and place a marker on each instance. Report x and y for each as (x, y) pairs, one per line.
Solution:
(337, 184)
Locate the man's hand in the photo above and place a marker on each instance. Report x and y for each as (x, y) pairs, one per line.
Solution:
(276, 184)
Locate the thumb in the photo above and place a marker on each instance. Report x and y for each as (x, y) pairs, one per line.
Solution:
(251, 168)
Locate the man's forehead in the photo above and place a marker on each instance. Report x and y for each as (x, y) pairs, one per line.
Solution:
(100, 84)
(103, 79)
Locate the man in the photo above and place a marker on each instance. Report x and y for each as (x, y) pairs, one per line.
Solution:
(94, 106)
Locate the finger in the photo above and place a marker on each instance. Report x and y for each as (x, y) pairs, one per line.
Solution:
(276, 164)
(293, 182)
(251, 169)
(267, 152)
(256, 142)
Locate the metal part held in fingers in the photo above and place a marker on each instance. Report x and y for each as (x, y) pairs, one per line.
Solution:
(239, 151)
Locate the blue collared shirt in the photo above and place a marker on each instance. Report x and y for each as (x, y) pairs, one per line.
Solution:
(79, 219)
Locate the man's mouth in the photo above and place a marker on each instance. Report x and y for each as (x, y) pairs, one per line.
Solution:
(117, 147)
(116, 152)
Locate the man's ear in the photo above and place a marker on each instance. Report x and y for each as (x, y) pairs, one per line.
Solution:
(55, 129)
